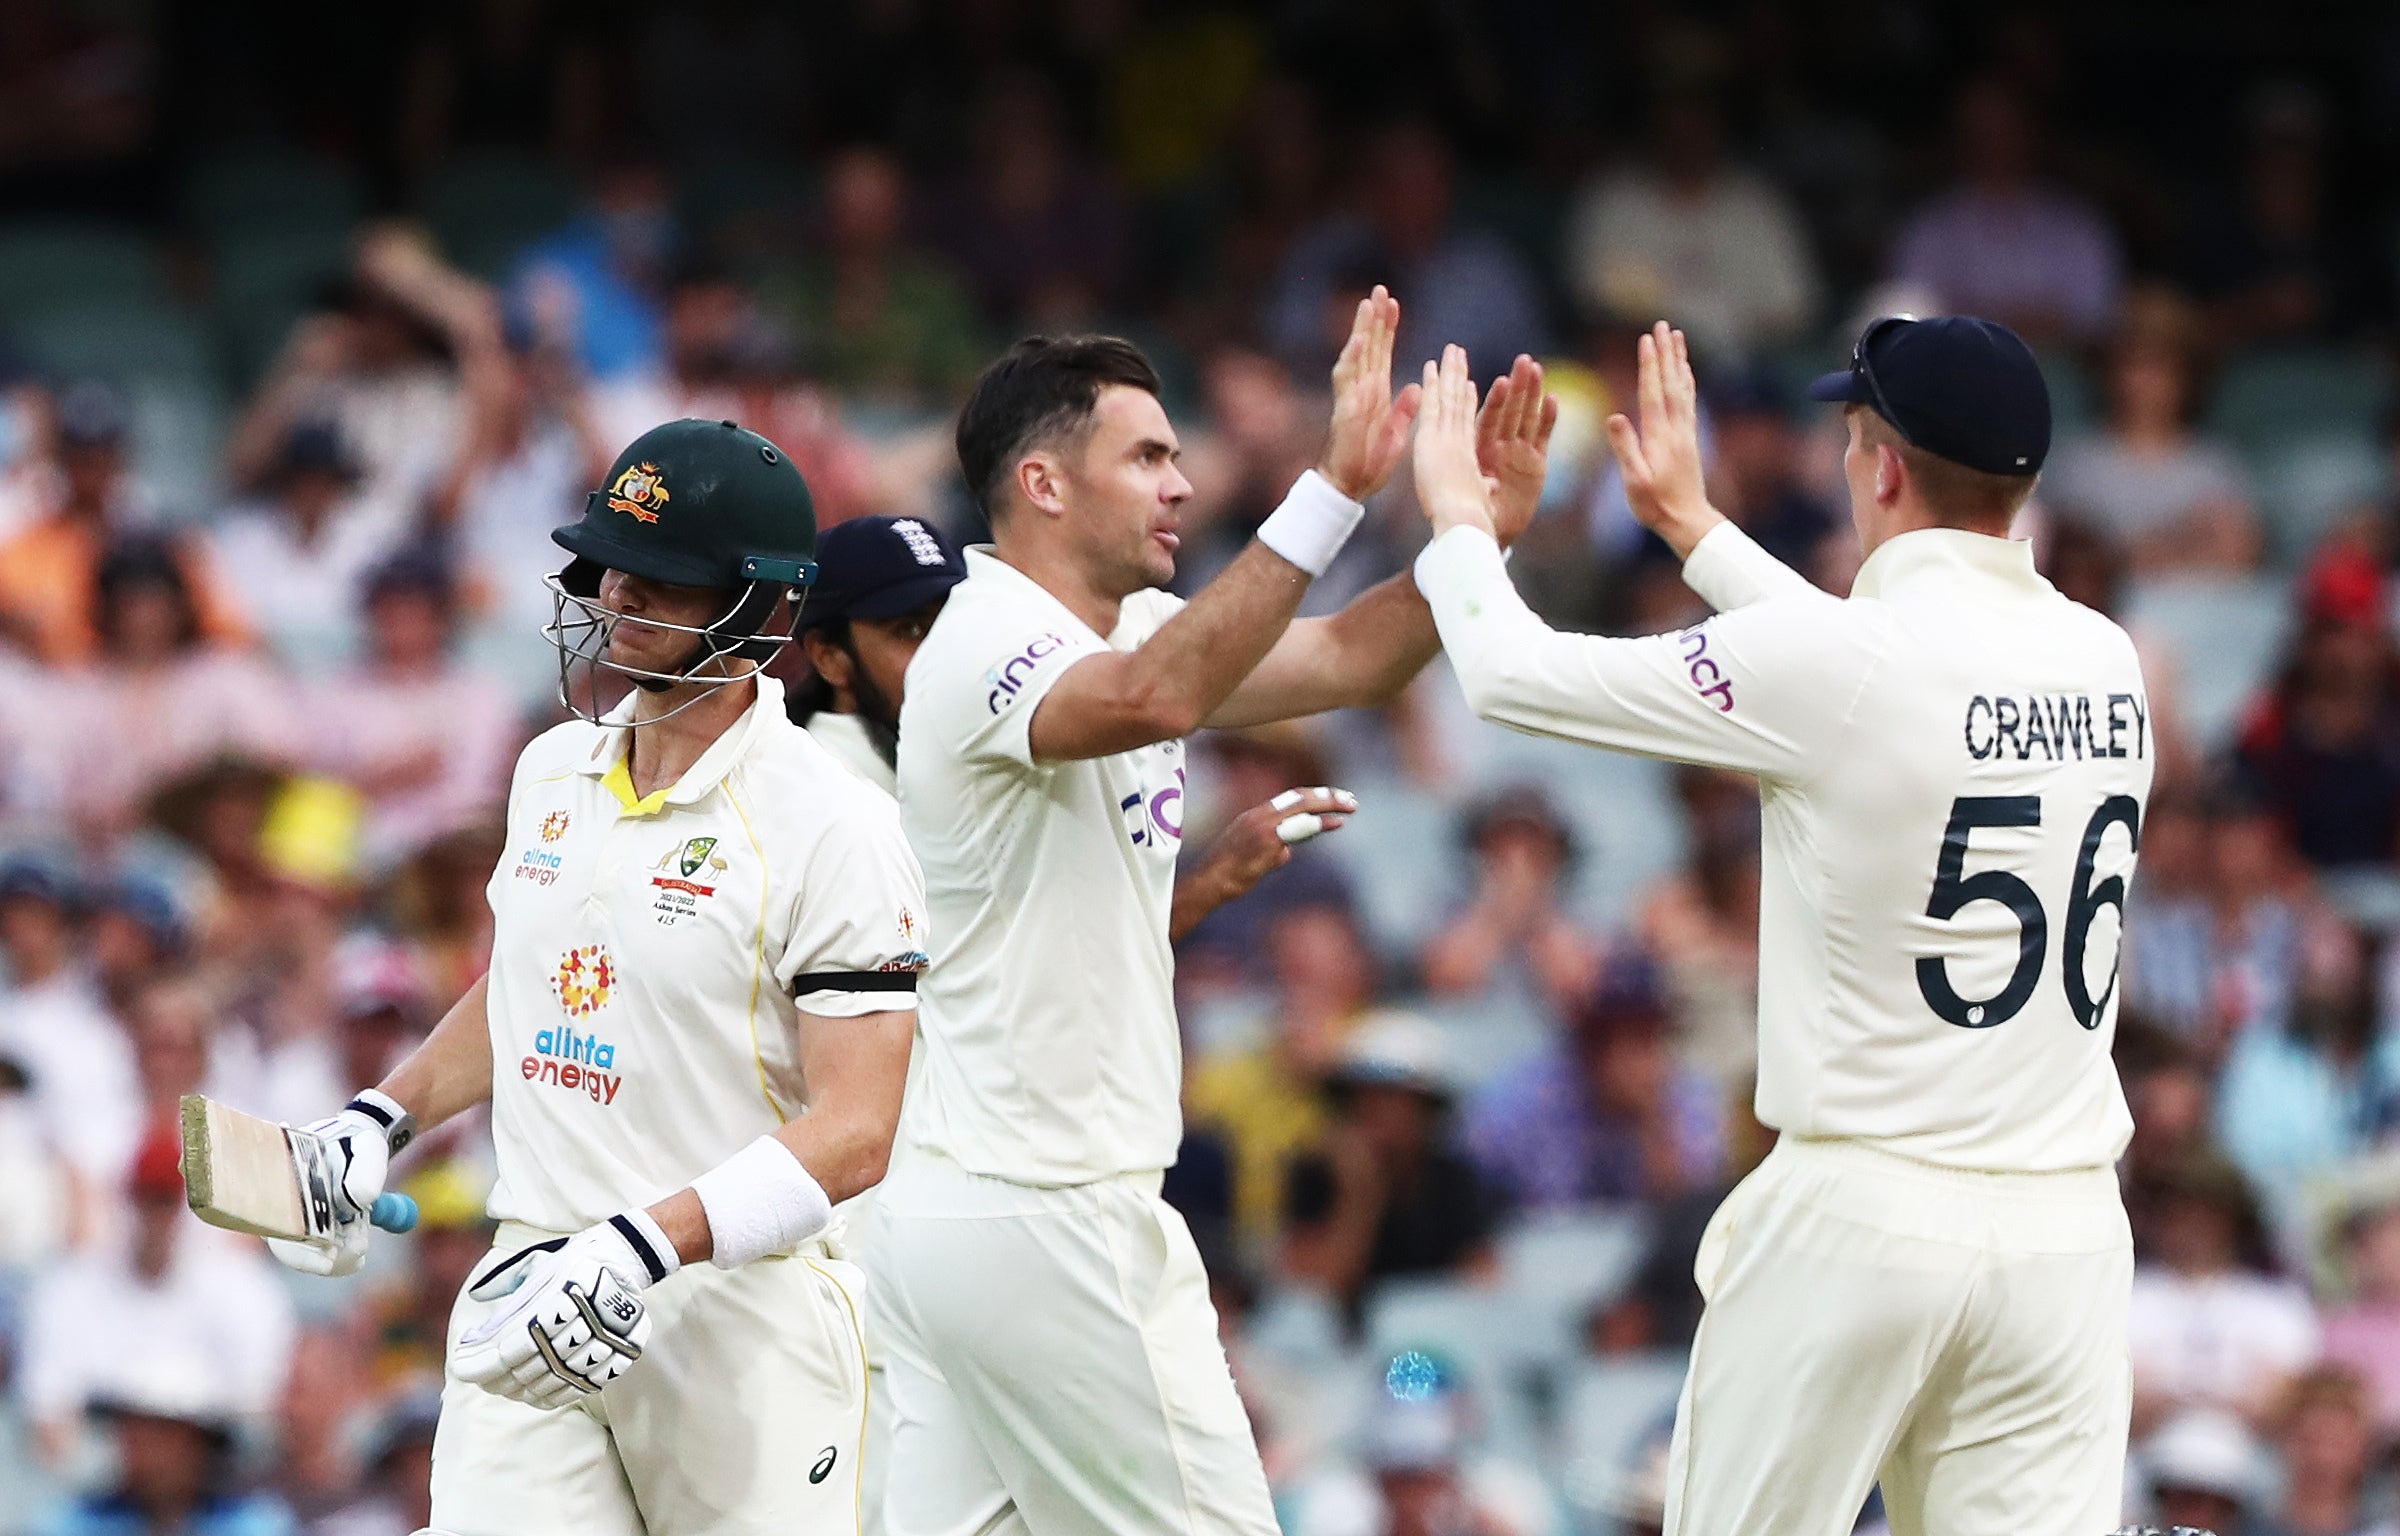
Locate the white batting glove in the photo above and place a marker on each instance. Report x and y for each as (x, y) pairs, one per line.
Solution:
(577, 1321)
(359, 1144)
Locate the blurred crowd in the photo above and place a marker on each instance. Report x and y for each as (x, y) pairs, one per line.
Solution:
(311, 329)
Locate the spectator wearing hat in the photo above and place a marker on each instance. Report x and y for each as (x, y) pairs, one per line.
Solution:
(173, 1423)
(881, 582)
(133, 926)
(1387, 1196)
(2327, 1441)
(49, 597)
(412, 1311)
(2002, 242)
(1515, 934)
(2362, 1332)
(56, 1029)
(2205, 1470)
(173, 1281)
(425, 736)
(1604, 1115)
(1420, 1470)
(397, 1498)
(295, 556)
(2209, 1326)
(158, 697)
(2177, 501)
(2323, 744)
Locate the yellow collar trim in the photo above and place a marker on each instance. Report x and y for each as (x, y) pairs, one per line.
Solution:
(619, 780)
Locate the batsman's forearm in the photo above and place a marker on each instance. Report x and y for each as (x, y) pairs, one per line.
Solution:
(451, 1072)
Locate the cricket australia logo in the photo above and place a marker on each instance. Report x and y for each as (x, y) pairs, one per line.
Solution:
(584, 979)
(677, 888)
(640, 493)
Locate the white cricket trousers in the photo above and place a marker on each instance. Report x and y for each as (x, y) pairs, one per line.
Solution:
(1054, 1364)
(744, 1415)
(1959, 1337)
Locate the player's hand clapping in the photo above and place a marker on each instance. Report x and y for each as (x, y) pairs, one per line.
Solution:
(1512, 446)
(1370, 424)
(1451, 485)
(1661, 461)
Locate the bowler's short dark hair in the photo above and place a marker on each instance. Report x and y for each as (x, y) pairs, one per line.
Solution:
(1044, 389)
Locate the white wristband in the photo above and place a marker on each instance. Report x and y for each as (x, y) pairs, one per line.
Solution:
(645, 1242)
(760, 1201)
(1313, 523)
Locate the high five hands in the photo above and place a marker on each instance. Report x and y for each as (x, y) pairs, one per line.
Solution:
(1661, 461)
(1483, 468)
(1370, 424)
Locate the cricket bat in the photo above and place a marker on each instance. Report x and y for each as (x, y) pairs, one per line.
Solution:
(251, 1175)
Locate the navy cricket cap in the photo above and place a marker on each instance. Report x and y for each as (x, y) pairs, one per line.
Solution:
(880, 568)
(1960, 388)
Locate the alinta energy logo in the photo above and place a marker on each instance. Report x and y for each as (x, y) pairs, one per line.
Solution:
(584, 979)
(580, 1063)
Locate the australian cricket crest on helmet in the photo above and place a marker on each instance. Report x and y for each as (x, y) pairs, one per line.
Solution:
(639, 491)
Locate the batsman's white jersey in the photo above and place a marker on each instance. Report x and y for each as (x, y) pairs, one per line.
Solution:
(1952, 768)
(644, 1029)
(1053, 1356)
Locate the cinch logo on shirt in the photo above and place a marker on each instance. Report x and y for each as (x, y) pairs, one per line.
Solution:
(581, 1063)
(1006, 678)
(1152, 818)
(1706, 675)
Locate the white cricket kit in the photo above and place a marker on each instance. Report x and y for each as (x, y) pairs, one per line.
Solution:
(1054, 1359)
(1927, 1279)
(845, 738)
(644, 1028)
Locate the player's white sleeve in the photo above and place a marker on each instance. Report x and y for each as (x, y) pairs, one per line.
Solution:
(1729, 570)
(858, 919)
(1767, 689)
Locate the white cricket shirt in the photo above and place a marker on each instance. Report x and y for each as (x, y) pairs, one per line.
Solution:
(1952, 767)
(846, 738)
(644, 949)
(1047, 1032)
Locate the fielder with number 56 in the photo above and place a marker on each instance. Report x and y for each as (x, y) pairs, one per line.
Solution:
(694, 1036)
(1925, 1284)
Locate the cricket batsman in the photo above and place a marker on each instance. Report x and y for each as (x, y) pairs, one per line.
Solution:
(694, 1036)
(1925, 1283)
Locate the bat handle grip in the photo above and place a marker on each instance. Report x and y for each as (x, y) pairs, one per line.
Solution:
(393, 1211)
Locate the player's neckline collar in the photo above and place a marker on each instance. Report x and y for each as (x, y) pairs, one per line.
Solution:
(708, 770)
(1922, 551)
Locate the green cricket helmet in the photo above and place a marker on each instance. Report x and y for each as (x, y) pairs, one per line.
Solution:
(693, 504)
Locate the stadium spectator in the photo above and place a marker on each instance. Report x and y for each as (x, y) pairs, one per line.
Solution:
(2305, 1092)
(173, 1426)
(2362, 1333)
(174, 1283)
(2005, 244)
(1463, 285)
(2205, 1468)
(2323, 744)
(1685, 234)
(411, 1313)
(2278, 256)
(397, 1499)
(1420, 1471)
(1266, 1103)
(2168, 1088)
(2209, 1327)
(1387, 1196)
(158, 699)
(1701, 922)
(589, 293)
(882, 322)
(2175, 500)
(1605, 1114)
(55, 1028)
(47, 569)
(2327, 1440)
(295, 557)
(2092, 568)
(378, 363)
(1515, 940)
(426, 738)
(1036, 230)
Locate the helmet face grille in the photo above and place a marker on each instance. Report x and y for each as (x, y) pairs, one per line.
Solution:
(580, 628)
